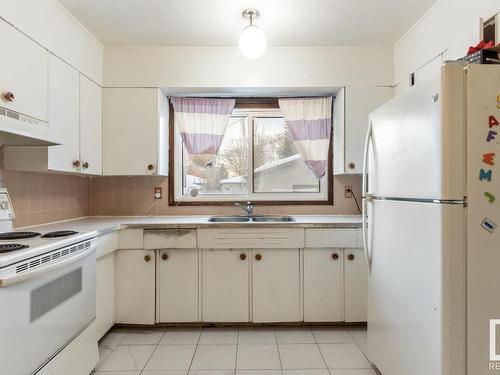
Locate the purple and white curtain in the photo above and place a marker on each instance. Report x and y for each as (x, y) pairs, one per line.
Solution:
(202, 124)
(309, 123)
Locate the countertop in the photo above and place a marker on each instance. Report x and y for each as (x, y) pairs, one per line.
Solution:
(107, 224)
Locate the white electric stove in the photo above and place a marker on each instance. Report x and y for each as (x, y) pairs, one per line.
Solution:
(47, 294)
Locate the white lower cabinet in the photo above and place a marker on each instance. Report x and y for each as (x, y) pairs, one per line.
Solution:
(276, 285)
(323, 285)
(135, 286)
(356, 285)
(177, 286)
(105, 294)
(225, 285)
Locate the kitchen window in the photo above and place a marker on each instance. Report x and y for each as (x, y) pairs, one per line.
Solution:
(257, 161)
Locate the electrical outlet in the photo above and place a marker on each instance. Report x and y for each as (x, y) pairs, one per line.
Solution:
(347, 192)
(157, 193)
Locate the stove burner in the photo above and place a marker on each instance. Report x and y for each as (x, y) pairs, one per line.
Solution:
(17, 235)
(8, 247)
(59, 233)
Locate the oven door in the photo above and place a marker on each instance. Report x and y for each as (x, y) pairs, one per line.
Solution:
(41, 314)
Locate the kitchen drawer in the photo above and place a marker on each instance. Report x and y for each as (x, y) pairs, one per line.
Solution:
(332, 237)
(170, 238)
(130, 239)
(247, 238)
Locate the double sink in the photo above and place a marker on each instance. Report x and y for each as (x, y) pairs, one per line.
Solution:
(256, 219)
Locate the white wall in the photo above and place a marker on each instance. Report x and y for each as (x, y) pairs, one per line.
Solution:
(182, 67)
(47, 22)
(449, 27)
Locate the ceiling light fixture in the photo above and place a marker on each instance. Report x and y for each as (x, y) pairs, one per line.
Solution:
(252, 41)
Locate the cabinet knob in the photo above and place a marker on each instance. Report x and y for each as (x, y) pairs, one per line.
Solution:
(350, 257)
(85, 165)
(164, 256)
(151, 167)
(258, 257)
(9, 96)
(243, 256)
(76, 163)
(351, 165)
(147, 258)
(335, 256)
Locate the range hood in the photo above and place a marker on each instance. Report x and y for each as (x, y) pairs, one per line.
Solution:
(17, 129)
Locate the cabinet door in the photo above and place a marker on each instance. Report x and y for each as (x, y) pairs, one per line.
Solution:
(130, 131)
(323, 285)
(356, 285)
(276, 285)
(64, 115)
(360, 102)
(105, 294)
(90, 127)
(225, 285)
(135, 286)
(178, 285)
(23, 72)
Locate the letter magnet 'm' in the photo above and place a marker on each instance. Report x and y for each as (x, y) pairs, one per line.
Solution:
(485, 175)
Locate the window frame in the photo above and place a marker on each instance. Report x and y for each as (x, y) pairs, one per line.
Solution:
(254, 109)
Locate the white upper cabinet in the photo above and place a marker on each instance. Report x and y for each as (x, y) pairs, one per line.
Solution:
(135, 136)
(23, 74)
(352, 107)
(64, 116)
(90, 127)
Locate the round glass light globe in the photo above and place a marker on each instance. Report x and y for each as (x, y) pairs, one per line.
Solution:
(252, 42)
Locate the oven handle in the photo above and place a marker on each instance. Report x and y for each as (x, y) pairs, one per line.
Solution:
(14, 279)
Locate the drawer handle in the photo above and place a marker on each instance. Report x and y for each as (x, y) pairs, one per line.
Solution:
(76, 163)
(258, 257)
(164, 256)
(243, 256)
(352, 165)
(151, 167)
(335, 256)
(147, 258)
(351, 257)
(9, 96)
(85, 165)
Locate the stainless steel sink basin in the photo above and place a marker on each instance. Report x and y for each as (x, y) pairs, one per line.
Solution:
(256, 219)
(228, 219)
(273, 219)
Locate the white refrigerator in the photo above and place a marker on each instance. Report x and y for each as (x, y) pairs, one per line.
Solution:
(431, 223)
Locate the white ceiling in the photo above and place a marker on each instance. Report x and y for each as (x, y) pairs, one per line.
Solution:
(219, 22)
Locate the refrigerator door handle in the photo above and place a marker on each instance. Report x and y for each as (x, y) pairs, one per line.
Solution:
(366, 247)
(365, 160)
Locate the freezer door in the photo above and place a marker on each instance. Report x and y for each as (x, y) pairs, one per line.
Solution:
(483, 237)
(417, 146)
(416, 292)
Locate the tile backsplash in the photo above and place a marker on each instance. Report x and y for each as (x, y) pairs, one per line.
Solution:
(45, 197)
(134, 196)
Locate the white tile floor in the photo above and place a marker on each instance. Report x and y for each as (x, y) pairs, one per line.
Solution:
(235, 351)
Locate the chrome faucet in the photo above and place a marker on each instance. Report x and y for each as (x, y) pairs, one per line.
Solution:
(247, 207)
